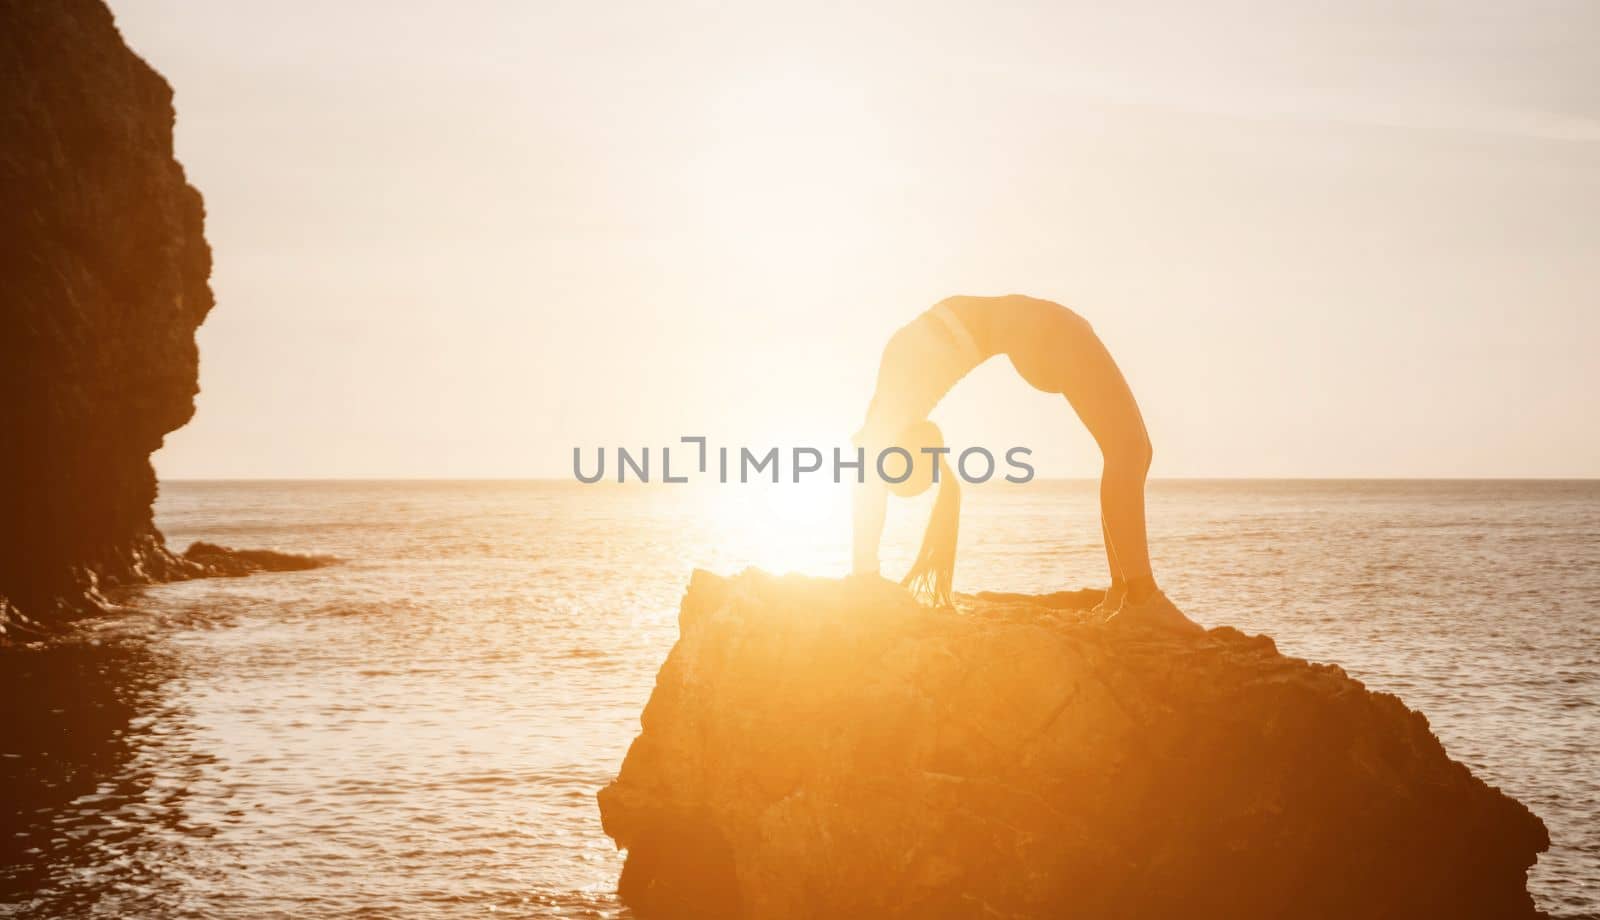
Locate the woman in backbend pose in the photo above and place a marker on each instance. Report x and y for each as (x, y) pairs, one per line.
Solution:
(1056, 351)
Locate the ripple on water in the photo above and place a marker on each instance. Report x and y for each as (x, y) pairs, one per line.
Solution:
(421, 731)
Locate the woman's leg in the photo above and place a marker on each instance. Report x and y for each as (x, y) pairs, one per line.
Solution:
(1063, 355)
(1125, 453)
(1099, 394)
(1102, 399)
(1119, 583)
(1118, 588)
(1056, 350)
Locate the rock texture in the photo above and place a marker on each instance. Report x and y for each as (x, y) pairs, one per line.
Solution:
(820, 748)
(230, 562)
(103, 281)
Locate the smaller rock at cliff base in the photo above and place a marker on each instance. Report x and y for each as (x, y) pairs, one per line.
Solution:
(824, 748)
(226, 561)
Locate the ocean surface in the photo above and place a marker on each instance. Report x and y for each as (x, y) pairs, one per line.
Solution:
(420, 730)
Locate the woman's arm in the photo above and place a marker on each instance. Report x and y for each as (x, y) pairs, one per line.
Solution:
(870, 503)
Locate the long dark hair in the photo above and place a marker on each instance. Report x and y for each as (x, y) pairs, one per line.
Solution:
(933, 573)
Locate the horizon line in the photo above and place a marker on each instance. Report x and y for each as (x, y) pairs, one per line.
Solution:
(560, 479)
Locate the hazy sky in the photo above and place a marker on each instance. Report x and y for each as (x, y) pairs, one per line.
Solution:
(457, 239)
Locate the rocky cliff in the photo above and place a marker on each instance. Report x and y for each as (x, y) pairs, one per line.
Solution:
(820, 748)
(103, 280)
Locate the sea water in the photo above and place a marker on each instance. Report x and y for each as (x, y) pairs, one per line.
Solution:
(420, 730)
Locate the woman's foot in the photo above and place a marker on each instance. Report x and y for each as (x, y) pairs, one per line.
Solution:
(1155, 611)
(1112, 602)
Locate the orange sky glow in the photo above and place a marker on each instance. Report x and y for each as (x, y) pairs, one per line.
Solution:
(457, 240)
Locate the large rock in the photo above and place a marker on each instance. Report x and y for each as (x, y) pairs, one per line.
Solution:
(821, 748)
(103, 280)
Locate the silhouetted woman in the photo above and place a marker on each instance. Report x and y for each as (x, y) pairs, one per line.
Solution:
(1054, 350)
